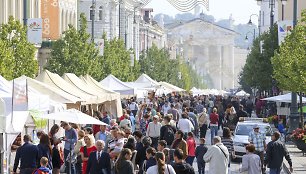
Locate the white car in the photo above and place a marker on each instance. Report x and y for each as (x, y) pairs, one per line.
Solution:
(242, 131)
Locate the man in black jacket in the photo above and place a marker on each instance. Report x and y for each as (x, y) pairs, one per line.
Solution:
(99, 161)
(28, 156)
(276, 151)
(180, 166)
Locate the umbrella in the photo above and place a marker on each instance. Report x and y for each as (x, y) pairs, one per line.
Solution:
(72, 116)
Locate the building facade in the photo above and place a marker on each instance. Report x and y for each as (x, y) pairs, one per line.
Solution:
(281, 11)
(16, 8)
(208, 48)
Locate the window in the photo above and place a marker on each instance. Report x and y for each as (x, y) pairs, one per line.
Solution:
(92, 15)
(100, 14)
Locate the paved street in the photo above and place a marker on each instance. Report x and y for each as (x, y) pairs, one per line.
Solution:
(234, 169)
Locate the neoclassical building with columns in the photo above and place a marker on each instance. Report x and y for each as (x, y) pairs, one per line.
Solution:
(208, 48)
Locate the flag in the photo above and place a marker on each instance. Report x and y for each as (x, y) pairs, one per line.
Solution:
(20, 96)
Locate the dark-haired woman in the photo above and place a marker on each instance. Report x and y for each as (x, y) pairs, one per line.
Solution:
(45, 149)
(150, 153)
(228, 142)
(123, 164)
(161, 167)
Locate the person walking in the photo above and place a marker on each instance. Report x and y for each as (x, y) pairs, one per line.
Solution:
(228, 143)
(70, 140)
(160, 167)
(103, 135)
(153, 131)
(259, 140)
(167, 132)
(276, 151)
(199, 153)
(214, 120)
(180, 143)
(191, 143)
(250, 161)
(180, 166)
(98, 162)
(86, 150)
(27, 154)
(203, 123)
(185, 125)
(80, 143)
(45, 149)
(218, 157)
(124, 164)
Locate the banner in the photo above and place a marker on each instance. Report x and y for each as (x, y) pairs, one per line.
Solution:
(50, 16)
(99, 44)
(284, 28)
(34, 30)
(20, 96)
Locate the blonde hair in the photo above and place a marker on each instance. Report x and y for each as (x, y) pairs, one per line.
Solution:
(81, 133)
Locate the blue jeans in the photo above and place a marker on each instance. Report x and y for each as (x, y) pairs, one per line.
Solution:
(189, 159)
(201, 167)
(275, 170)
(213, 132)
(66, 153)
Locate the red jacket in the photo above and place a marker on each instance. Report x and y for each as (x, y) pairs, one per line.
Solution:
(214, 118)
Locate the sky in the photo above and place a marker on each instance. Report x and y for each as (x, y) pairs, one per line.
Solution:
(220, 9)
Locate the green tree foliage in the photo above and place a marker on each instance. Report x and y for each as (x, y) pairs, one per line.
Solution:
(116, 60)
(17, 55)
(257, 72)
(74, 53)
(157, 64)
(289, 64)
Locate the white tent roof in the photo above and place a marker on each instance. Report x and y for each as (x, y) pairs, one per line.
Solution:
(242, 93)
(81, 85)
(55, 94)
(114, 106)
(286, 98)
(117, 85)
(172, 87)
(56, 81)
(147, 80)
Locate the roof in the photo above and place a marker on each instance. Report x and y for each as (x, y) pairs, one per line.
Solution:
(180, 23)
(117, 85)
(144, 78)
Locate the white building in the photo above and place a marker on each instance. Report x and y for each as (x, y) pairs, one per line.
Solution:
(15, 8)
(116, 18)
(208, 48)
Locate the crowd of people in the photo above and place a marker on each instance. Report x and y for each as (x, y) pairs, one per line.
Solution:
(160, 136)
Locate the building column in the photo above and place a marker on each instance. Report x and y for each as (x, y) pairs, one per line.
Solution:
(219, 51)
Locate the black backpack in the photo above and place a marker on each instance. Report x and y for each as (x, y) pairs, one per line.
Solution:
(168, 134)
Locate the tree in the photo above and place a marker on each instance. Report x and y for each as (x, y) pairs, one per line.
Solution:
(116, 60)
(289, 64)
(17, 55)
(74, 53)
(157, 64)
(257, 72)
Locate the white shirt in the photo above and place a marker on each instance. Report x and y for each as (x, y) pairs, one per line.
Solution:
(185, 125)
(153, 129)
(154, 170)
(165, 109)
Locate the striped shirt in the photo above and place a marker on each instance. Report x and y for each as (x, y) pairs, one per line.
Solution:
(228, 142)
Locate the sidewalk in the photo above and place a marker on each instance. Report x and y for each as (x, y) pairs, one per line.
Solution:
(298, 160)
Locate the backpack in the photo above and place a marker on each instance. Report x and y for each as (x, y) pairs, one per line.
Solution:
(38, 171)
(168, 134)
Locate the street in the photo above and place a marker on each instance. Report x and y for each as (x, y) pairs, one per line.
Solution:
(234, 167)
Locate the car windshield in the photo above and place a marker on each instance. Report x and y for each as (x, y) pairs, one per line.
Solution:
(245, 129)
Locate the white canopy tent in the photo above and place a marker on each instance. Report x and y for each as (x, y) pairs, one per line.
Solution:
(117, 85)
(173, 88)
(72, 79)
(242, 93)
(286, 98)
(72, 116)
(56, 81)
(114, 104)
(145, 79)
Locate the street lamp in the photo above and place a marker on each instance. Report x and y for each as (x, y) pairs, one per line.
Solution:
(250, 23)
(92, 16)
(246, 35)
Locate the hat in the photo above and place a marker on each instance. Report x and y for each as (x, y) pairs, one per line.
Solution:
(156, 116)
(255, 126)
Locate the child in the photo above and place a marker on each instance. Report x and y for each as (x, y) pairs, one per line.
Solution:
(199, 153)
(43, 169)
